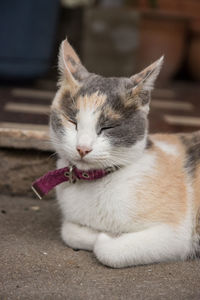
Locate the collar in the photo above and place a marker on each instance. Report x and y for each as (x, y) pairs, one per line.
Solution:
(47, 182)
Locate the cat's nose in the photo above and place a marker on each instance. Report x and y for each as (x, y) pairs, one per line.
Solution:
(83, 151)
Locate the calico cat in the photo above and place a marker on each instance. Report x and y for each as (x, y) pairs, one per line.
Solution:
(147, 209)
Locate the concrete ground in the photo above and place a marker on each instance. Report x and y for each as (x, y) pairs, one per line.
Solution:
(35, 264)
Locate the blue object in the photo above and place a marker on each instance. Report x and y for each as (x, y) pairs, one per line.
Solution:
(27, 31)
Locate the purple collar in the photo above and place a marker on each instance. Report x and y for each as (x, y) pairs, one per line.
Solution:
(47, 182)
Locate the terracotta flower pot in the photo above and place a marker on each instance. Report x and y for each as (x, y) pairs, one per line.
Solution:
(162, 34)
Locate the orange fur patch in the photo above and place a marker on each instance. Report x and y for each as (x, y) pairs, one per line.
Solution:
(111, 114)
(164, 196)
(132, 100)
(93, 101)
(173, 139)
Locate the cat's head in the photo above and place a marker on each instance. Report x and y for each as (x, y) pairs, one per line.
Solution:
(97, 122)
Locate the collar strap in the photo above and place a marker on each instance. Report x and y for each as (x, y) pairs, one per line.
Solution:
(47, 182)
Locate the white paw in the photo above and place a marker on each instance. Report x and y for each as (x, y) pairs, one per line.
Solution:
(103, 238)
(69, 236)
(78, 237)
(105, 251)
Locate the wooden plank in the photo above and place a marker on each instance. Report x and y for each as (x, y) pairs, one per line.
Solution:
(182, 120)
(174, 105)
(27, 108)
(24, 126)
(27, 138)
(166, 93)
(31, 93)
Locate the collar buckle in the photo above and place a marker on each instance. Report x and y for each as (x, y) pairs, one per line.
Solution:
(72, 175)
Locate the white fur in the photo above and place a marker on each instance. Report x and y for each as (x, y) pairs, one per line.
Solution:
(104, 205)
(86, 135)
(167, 148)
(145, 108)
(77, 236)
(154, 244)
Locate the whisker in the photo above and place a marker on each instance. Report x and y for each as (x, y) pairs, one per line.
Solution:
(52, 155)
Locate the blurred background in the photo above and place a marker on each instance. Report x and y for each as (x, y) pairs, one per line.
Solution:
(113, 38)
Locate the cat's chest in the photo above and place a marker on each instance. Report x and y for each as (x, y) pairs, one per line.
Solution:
(101, 205)
(108, 204)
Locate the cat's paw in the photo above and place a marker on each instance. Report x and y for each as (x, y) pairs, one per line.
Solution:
(69, 235)
(78, 237)
(105, 251)
(102, 238)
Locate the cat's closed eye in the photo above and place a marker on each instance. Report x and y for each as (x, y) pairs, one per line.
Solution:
(106, 128)
(73, 122)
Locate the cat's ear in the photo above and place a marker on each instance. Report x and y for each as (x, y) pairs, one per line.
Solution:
(145, 79)
(139, 95)
(70, 66)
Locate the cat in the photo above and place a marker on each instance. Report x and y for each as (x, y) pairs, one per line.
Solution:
(147, 209)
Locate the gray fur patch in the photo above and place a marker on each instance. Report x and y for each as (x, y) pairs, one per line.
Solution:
(149, 143)
(56, 122)
(145, 97)
(126, 131)
(68, 106)
(109, 86)
(72, 61)
(81, 73)
(192, 144)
